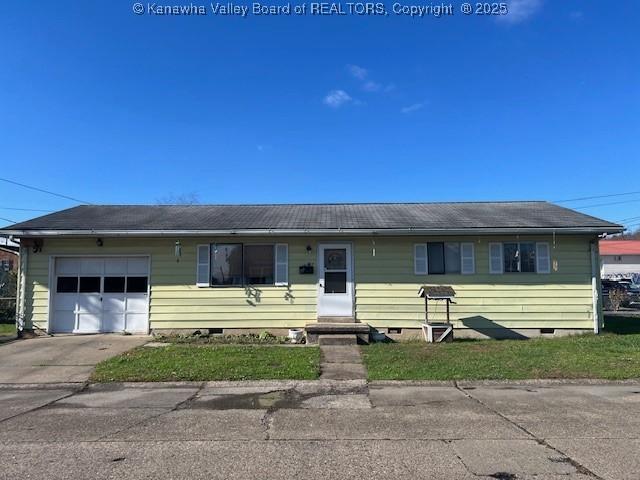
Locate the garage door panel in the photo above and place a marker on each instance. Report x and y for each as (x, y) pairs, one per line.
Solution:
(89, 303)
(66, 302)
(91, 266)
(136, 303)
(137, 322)
(113, 321)
(115, 266)
(137, 266)
(66, 266)
(113, 302)
(89, 322)
(65, 321)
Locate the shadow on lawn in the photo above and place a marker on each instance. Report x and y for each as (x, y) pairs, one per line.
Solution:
(621, 324)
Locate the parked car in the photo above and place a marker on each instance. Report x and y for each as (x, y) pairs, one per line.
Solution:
(631, 288)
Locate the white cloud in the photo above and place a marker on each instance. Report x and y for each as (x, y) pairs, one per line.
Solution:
(371, 86)
(336, 98)
(357, 72)
(412, 108)
(520, 10)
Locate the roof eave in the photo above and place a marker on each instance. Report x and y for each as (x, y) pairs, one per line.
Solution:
(311, 232)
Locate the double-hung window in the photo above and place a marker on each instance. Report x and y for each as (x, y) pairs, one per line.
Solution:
(237, 264)
(519, 257)
(438, 258)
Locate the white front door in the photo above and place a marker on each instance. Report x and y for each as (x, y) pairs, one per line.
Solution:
(335, 280)
(100, 294)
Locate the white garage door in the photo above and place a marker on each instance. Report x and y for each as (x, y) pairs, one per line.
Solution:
(95, 294)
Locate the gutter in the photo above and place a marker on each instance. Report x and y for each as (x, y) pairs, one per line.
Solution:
(595, 286)
(312, 232)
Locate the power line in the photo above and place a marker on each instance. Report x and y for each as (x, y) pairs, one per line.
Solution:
(596, 196)
(606, 204)
(629, 219)
(8, 220)
(43, 191)
(26, 209)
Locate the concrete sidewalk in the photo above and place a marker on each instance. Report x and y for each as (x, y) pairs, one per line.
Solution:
(321, 429)
(62, 358)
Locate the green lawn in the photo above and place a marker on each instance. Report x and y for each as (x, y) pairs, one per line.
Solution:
(7, 331)
(607, 356)
(210, 362)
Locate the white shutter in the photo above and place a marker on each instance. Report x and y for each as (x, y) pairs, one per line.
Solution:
(282, 264)
(467, 259)
(543, 258)
(420, 259)
(495, 258)
(203, 278)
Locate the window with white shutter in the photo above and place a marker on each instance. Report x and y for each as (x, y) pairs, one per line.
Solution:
(202, 276)
(420, 259)
(495, 258)
(282, 264)
(467, 259)
(543, 257)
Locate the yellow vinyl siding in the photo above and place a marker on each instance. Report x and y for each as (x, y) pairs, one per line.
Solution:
(175, 301)
(385, 285)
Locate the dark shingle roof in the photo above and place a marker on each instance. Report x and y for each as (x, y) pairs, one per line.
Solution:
(369, 216)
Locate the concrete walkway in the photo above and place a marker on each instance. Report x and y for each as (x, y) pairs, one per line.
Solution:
(341, 362)
(61, 358)
(321, 429)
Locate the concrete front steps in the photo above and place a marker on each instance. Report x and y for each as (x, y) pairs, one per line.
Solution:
(337, 333)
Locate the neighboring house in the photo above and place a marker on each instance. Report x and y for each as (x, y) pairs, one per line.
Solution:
(620, 259)
(518, 268)
(8, 259)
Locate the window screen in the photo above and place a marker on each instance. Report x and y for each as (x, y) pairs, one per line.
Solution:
(335, 282)
(435, 255)
(226, 264)
(528, 257)
(452, 257)
(510, 255)
(258, 264)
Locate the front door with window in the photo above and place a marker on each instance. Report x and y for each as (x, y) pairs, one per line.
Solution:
(335, 280)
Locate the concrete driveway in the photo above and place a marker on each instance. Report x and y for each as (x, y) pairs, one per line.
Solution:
(64, 358)
(321, 430)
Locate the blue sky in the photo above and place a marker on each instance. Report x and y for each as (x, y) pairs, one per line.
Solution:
(107, 106)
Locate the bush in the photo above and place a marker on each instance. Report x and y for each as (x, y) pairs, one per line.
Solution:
(8, 289)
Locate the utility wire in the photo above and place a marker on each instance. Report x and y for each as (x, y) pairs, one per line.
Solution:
(606, 204)
(43, 191)
(596, 196)
(26, 209)
(629, 219)
(8, 220)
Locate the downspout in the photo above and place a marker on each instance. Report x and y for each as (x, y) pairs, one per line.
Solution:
(22, 288)
(595, 285)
